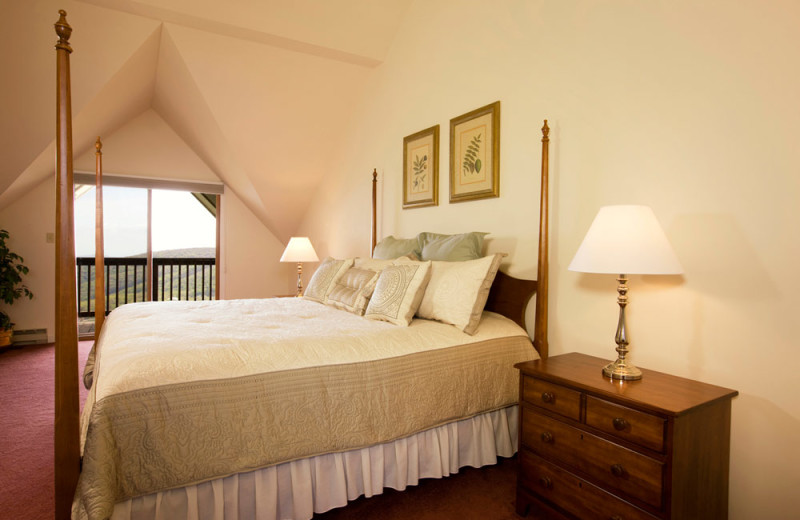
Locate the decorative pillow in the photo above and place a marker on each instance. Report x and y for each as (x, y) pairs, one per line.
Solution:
(398, 292)
(457, 291)
(321, 283)
(451, 248)
(390, 248)
(352, 290)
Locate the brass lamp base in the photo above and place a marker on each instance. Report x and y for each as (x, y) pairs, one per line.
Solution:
(621, 370)
(299, 279)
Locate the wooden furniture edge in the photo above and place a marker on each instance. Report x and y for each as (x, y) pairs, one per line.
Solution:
(99, 250)
(509, 296)
(66, 428)
(615, 389)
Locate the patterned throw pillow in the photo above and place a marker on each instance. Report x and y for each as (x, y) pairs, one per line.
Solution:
(321, 283)
(457, 291)
(398, 292)
(352, 290)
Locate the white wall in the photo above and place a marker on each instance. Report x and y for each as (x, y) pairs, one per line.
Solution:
(28, 220)
(688, 107)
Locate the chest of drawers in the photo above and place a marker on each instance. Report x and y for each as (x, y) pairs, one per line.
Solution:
(595, 448)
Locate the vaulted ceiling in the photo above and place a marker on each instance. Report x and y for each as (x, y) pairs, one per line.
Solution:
(261, 90)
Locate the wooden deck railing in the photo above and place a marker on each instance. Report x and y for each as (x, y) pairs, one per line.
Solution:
(126, 281)
(179, 279)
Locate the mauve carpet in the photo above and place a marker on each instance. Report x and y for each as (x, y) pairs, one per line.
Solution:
(26, 459)
(27, 388)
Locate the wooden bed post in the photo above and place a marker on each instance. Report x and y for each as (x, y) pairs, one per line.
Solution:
(374, 211)
(540, 331)
(67, 452)
(99, 253)
(216, 253)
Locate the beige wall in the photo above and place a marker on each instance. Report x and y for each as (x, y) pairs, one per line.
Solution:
(249, 252)
(28, 221)
(147, 146)
(688, 107)
(251, 256)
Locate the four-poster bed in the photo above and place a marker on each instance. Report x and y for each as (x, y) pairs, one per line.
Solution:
(332, 442)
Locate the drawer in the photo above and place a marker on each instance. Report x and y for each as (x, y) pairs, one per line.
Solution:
(611, 465)
(573, 494)
(549, 396)
(626, 423)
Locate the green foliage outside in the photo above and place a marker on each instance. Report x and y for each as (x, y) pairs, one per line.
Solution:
(121, 283)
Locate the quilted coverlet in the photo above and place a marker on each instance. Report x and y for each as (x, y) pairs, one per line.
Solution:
(185, 392)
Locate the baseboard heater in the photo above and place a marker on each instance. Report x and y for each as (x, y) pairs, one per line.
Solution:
(29, 337)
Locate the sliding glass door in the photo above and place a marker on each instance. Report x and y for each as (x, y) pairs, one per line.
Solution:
(159, 245)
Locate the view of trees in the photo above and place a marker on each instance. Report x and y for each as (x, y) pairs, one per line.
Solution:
(185, 274)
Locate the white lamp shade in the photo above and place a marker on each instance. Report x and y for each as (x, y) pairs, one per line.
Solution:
(299, 249)
(625, 240)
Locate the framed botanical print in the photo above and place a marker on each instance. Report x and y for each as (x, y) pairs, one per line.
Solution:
(475, 154)
(421, 168)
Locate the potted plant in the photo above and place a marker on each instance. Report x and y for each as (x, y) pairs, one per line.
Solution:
(11, 287)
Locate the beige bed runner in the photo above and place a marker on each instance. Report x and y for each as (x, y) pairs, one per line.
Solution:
(149, 438)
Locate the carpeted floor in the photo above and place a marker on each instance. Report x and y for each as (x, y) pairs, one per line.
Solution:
(486, 493)
(26, 426)
(26, 459)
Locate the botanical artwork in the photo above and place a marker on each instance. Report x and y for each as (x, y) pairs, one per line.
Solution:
(420, 180)
(421, 168)
(475, 154)
(472, 163)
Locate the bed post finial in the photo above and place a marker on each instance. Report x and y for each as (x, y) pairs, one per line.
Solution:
(98, 145)
(545, 131)
(64, 31)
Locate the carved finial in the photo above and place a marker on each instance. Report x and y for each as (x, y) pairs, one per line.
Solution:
(64, 31)
(98, 145)
(545, 130)
(374, 174)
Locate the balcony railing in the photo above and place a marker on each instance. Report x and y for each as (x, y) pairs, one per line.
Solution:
(126, 281)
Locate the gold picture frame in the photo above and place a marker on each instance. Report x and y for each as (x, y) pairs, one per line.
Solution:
(475, 154)
(421, 168)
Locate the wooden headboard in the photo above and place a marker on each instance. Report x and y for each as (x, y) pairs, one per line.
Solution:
(510, 296)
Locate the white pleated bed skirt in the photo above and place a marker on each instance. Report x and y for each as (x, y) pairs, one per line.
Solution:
(296, 490)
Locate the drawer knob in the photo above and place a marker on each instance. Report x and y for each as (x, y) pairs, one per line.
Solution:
(620, 423)
(548, 397)
(546, 482)
(547, 437)
(617, 470)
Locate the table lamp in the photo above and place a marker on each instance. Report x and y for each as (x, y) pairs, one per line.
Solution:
(299, 249)
(629, 240)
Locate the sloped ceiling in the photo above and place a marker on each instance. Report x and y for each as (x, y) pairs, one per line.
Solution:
(260, 90)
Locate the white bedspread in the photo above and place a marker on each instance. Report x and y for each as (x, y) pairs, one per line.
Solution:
(186, 392)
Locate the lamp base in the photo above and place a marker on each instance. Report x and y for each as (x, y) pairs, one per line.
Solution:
(621, 370)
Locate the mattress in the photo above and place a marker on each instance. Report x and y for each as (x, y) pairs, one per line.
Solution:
(189, 392)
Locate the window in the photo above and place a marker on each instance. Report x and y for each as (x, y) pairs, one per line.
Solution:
(160, 244)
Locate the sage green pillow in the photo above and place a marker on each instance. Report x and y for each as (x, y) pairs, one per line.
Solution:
(451, 248)
(390, 248)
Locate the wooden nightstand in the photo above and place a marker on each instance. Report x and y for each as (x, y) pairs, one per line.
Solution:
(592, 448)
